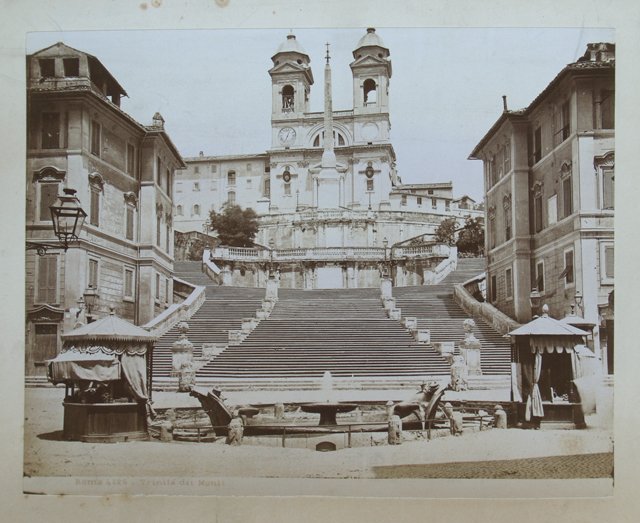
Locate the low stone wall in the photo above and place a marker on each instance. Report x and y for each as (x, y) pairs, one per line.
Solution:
(210, 268)
(500, 321)
(178, 311)
(443, 269)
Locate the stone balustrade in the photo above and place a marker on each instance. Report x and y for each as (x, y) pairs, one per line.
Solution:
(330, 253)
(177, 312)
(494, 317)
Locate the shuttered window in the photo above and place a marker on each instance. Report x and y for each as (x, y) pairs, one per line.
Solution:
(95, 138)
(48, 195)
(129, 222)
(47, 279)
(608, 262)
(128, 283)
(94, 218)
(608, 189)
(508, 276)
(92, 280)
(50, 130)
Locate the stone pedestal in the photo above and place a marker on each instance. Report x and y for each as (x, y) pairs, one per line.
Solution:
(455, 419)
(226, 277)
(423, 336)
(209, 350)
(390, 408)
(182, 359)
(446, 349)
(410, 323)
(267, 305)
(389, 303)
(235, 337)
(500, 417)
(272, 289)
(394, 314)
(187, 377)
(166, 431)
(470, 348)
(459, 374)
(395, 430)
(386, 287)
(236, 431)
(247, 325)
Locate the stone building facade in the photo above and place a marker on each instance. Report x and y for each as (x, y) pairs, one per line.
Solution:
(80, 138)
(549, 193)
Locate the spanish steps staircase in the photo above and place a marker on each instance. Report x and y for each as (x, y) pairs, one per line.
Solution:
(344, 331)
(436, 310)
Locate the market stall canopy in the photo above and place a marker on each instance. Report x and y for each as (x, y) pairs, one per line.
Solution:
(73, 365)
(550, 335)
(546, 326)
(109, 328)
(577, 321)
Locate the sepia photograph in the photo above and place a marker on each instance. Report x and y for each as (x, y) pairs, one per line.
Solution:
(237, 258)
(319, 262)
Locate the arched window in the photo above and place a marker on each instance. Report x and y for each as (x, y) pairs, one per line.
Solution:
(370, 92)
(231, 178)
(287, 98)
(196, 210)
(338, 139)
(179, 210)
(231, 198)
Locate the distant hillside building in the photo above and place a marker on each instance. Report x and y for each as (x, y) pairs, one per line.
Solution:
(78, 137)
(549, 196)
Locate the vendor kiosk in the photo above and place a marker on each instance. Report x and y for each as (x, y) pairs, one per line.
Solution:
(106, 369)
(545, 361)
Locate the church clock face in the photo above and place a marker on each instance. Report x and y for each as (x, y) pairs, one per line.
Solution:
(287, 135)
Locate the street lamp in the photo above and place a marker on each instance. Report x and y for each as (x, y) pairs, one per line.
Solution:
(87, 302)
(534, 299)
(67, 216)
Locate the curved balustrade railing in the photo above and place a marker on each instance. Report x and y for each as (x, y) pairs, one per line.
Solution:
(437, 250)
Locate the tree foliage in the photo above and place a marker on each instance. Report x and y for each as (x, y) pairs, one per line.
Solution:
(446, 232)
(236, 227)
(471, 237)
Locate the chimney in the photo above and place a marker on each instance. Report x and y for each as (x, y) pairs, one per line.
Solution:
(201, 154)
(158, 121)
(504, 102)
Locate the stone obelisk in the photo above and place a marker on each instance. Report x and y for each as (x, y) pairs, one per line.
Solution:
(328, 177)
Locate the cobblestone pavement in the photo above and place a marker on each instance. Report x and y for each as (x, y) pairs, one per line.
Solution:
(597, 465)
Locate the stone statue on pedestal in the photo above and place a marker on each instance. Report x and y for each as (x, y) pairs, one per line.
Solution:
(182, 359)
(470, 348)
(236, 430)
(459, 374)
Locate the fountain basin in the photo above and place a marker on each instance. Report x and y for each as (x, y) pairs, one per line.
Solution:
(328, 410)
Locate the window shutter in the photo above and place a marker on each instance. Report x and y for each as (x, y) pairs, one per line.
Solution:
(129, 223)
(608, 262)
(47, 279)
(48, 194)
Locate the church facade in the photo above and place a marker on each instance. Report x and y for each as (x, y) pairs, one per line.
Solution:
(329, 180)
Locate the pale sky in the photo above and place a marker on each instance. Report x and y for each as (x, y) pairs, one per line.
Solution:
(213, 89)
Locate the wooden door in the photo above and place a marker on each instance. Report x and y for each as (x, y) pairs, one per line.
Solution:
(45, 346)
